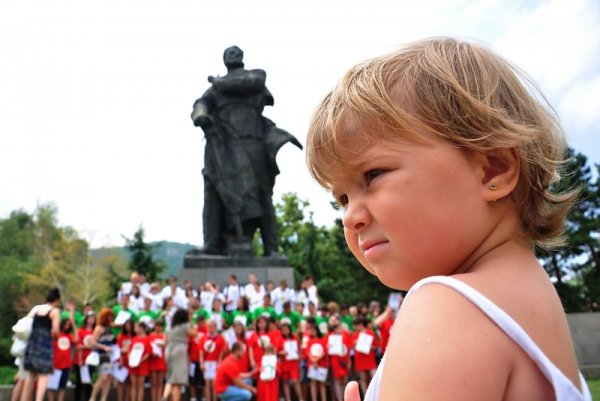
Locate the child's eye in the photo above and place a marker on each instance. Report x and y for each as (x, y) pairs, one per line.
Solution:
(372, 174)
(341, 201)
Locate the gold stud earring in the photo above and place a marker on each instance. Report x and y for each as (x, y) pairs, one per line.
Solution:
(493, 187)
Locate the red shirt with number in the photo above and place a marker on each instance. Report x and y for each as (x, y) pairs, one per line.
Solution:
(143, 369)
(124, 344)
(313, 348)
(362, 361)
(340, 364)
(290, 369)
(62, 351)
(85, 339)
(194, 343)
(158, 363)
(212, 347)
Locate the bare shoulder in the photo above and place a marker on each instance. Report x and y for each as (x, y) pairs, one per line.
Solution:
(443, 347)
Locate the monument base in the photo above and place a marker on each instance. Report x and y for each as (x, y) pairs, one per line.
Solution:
(200, 268)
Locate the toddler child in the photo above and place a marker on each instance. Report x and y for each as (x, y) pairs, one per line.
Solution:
(443, 162)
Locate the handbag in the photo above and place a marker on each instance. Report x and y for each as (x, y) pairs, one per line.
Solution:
(23, 327)
(93, 359)
(18, 347)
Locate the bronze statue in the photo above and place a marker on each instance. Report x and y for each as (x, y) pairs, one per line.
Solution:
(239, 160)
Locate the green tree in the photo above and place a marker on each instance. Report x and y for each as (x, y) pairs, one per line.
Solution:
(142, 260)
(37, 254)
(575, 268)
(322, 252)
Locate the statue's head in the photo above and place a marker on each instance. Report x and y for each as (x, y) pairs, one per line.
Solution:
(233, 56)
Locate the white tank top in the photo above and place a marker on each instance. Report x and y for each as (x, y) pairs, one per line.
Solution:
(564, 389)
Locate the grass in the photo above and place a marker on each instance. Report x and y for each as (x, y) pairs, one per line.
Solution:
(594, 385)
(7, 374)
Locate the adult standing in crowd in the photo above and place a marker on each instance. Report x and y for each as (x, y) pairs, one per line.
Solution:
(103, 339)
(38, 357)
(254, 292)
(232, 292)
(172, 290)
(311, 290)
(281, 295)
(229, 385)
(127, 286)
(177, 354)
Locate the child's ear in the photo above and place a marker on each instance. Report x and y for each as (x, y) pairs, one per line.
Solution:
(499, 173)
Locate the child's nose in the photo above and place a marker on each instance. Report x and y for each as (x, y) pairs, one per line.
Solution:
(356, 217)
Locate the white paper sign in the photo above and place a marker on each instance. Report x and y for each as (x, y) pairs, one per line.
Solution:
(120, 373)
(268, 367)
(334, 344)
(115, 353)
(93, 359)
(394, 300)
(122, 317)
(317, 373)
(84, 374)
(54, 380)
(364, 342)
(291, 350)
(156, 349)
(135, 356)
(210, 370)
(192, 369)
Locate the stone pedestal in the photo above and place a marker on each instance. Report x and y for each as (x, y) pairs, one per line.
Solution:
(200, 268)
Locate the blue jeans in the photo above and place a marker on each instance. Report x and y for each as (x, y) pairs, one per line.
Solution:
(235, 393)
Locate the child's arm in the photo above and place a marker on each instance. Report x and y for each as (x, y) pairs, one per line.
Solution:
(453, 351)
(251, 357)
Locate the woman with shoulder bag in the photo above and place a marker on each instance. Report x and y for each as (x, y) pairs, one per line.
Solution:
(38, 358)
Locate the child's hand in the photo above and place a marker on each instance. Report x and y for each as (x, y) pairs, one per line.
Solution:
(351, 392)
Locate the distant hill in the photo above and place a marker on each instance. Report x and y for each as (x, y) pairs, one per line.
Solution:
(171, 253)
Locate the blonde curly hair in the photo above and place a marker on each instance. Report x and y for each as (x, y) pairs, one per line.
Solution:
(464, 93)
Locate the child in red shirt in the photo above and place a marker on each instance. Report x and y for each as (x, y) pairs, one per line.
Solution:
(339, 359)
(158, 364)
(365, 364)
(63, 345)
(124, 344)
(259, 339)
(267, 387)
(212, 350)
(139, 369)
(86, 337)
(242, 337)
(290, 362)
(196, 376)
(317, 362)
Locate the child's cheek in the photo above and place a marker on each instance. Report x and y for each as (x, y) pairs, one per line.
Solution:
(352, 241)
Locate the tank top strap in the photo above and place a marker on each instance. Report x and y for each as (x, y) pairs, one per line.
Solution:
(513, 330)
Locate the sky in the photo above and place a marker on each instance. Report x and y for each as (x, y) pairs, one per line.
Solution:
(96, 96)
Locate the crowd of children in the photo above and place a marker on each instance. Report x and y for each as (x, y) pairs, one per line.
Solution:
(291, 344)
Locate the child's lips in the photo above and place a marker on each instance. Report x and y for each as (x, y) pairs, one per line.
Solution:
(371, 246)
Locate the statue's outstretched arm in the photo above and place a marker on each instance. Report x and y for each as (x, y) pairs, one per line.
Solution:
(201, 112)
(245, 83)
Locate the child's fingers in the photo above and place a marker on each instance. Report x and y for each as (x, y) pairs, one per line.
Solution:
(351, 393)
